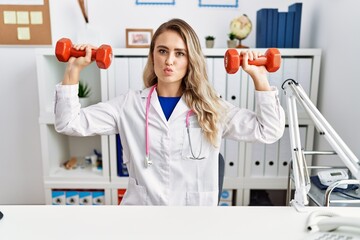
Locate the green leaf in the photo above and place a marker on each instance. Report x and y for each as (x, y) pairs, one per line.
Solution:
(84, 90)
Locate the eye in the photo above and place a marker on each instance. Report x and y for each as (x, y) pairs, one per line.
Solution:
(162, 51)
(180, 54)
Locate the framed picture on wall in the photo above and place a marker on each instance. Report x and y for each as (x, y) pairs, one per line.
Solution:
(219, 3)
(155, 2)
(138, 37)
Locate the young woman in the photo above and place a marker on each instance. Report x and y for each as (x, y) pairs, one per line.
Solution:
(171, 131)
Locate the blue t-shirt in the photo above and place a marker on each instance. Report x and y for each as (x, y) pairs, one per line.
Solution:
(168, 104)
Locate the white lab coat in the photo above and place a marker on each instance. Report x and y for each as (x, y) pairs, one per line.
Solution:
(174, 178)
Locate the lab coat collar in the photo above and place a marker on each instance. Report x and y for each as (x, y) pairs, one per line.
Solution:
(180, 107)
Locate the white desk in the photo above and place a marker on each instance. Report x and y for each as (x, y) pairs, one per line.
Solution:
(118, 222)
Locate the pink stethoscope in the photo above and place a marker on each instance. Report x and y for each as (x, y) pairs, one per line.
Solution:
(148, 161)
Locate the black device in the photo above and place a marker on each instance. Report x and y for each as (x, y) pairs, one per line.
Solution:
(1, 215)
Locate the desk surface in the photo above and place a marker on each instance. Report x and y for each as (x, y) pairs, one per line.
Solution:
(119, 222)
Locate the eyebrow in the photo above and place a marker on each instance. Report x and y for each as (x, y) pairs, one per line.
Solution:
(176, 49)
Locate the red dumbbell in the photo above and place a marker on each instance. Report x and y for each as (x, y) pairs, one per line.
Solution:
(271, 60)
(102, 55)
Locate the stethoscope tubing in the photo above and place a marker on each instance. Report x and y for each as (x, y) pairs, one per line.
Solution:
(148, 161)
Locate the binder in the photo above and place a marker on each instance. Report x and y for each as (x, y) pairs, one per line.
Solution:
(271, 159)
(219, 83)
(222, 149)
(121, 75)
(285, 150)
(297, 9)
(261, 28)
(136, 73)
(272, 25)
(226, 195)
(257, 159)
(231, 158)
(269, 27)
(276, 79)
(304, 74)
(280, 43)
(98, 198)
(290, 70)
(85, 198)
(209, 68)
(58, 197)
(219, 77)
(233, 88)
(289, 31)
(284, 154)
(72, 197)
(226, 198)
(225, 203)
(232, 147)
(275, 13)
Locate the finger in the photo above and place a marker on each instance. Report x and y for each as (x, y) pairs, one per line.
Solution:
(77, 46)
(251, 55)
(256, 54)
(82, 47)
(245, 58)
(88, 54)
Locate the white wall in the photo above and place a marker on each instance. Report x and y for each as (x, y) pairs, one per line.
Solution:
(336, 31)
(326, 24)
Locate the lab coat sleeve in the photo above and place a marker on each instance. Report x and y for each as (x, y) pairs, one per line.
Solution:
(265, 125)
(73, 120)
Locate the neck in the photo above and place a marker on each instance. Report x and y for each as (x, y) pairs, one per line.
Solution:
(169, 90)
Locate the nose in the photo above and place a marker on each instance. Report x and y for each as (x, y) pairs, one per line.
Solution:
(169, 60)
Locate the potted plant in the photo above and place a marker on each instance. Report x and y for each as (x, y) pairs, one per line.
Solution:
(209, 41)
(232, 42)
(84, 93)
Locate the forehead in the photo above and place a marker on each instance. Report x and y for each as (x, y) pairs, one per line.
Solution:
(170, 39)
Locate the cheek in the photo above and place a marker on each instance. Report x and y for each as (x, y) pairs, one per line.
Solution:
(157, 64)
(184, 66)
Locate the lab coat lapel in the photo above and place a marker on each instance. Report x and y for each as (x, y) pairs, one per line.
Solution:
(154, 102)
(180, 109)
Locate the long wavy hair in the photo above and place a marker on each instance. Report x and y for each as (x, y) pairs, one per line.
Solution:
(198, 93)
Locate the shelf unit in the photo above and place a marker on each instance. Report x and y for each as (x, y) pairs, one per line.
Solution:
(125, 73)
(57, 148)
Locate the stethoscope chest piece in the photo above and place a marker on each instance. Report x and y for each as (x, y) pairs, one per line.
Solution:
(148, 161)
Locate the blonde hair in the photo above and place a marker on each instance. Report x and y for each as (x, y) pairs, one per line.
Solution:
(198, 93)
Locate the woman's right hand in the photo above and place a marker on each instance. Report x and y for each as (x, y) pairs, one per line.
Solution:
(77, 64)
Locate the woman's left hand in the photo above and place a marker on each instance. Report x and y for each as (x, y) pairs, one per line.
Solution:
(257, 73)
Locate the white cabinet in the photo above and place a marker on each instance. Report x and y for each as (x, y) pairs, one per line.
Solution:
(248, 166)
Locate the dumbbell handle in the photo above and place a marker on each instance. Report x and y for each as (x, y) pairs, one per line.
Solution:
(260, 61)
(81, 53)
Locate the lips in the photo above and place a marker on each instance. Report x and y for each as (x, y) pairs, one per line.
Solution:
(168, 71)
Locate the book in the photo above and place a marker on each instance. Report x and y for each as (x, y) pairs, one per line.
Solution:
(275, 13)
(289, 30)
(282, 16)
(269, 27)
(261, 28)
(297, 9)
